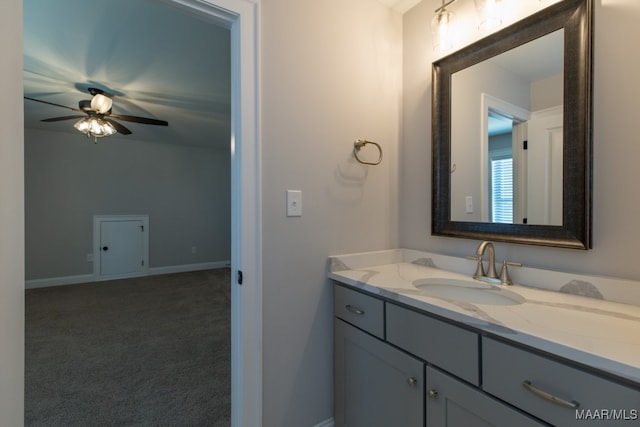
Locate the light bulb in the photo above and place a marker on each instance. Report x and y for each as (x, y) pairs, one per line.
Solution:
(101, 103)
(95, 127)
(441, 30)
(490, 13)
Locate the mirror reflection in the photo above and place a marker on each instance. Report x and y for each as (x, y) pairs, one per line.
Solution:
(507, 136)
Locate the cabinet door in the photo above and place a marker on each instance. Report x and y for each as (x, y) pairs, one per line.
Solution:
(376, 385)
(452, 403)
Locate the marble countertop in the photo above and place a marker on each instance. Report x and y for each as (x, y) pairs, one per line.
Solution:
(591, 331)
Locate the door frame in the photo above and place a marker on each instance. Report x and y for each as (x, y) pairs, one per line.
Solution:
(518, 114)
(241, 17)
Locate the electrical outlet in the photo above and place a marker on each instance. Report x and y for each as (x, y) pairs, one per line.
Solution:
(89, 257)
(194, 249)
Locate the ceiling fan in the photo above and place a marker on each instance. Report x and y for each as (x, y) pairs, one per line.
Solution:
(97, 119)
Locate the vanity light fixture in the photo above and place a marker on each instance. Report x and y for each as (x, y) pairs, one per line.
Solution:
(490, 14)
(441, 28)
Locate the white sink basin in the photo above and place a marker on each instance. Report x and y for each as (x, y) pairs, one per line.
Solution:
(471, 291)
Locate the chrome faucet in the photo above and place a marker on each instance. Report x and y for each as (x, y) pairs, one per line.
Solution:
(491, 267)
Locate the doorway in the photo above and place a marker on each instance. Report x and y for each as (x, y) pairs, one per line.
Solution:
(240, 16)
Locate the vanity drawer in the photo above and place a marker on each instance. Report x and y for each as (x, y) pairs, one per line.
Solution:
(361, 310)
(531, 382)
(449, 347)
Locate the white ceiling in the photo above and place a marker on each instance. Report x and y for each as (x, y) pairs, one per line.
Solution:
(156, 59)
(536, 60)
(400, 6)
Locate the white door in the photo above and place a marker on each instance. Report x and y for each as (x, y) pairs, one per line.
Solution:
(545, 164)
(121, 246)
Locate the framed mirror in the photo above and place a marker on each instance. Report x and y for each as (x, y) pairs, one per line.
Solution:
(511, 133)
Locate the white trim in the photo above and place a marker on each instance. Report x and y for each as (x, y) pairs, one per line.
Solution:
(58, 281)
(327, 423)
(548, 112)
(246, 250)
(155, 271)
(241, 17)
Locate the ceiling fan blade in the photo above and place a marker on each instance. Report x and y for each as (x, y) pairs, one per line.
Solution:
(143, 120)
(121, 129)
(57, 119)
(51, 103)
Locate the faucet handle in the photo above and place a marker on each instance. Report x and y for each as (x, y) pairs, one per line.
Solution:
(505, 279)
(479, 268)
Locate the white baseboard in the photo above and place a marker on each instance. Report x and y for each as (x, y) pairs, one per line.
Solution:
(326, 423)
(85, 278)
(58, 281)
(153, 271)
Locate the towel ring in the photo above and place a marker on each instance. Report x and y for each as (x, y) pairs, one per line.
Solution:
(358, 144)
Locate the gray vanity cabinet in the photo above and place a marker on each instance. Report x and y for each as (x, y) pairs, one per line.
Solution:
(381, 352)
(396, 366)
(452, 403)
(376, 385)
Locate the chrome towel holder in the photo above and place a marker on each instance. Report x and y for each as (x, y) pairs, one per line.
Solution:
(358, 144)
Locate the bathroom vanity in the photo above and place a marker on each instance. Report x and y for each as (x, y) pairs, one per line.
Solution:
(418, 342)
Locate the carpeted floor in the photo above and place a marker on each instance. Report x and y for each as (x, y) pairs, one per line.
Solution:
(151, 351)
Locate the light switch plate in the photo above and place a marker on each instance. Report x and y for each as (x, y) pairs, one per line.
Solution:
(294, 203)
(469, 204)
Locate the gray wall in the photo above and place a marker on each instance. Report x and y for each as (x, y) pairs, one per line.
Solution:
(184, 190)
(546, 93)
(616, 150)
(331, 73)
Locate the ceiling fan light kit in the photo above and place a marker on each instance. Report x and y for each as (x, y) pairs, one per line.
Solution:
(98, 121)
(95, 127)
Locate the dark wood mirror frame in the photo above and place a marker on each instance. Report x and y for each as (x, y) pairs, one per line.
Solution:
(576, 18)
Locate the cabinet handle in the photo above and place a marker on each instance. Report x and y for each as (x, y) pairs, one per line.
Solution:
(354, 309)
(433, 394)
(412, 381)
(550, 397)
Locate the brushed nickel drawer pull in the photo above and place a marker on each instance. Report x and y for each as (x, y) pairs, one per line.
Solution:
(433, 394)
(413, 381)
(354, 309)
(550, 397)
